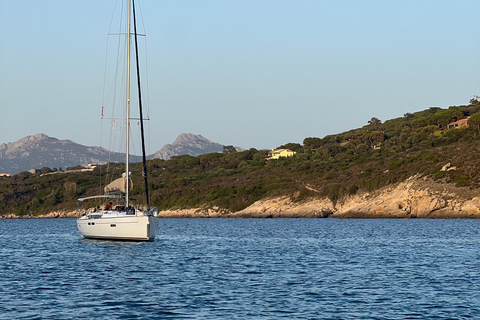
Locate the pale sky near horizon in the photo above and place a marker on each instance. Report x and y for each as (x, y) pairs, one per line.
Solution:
(246, 73)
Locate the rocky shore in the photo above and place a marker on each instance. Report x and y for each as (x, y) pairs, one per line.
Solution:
(55, 214)
(414, 198)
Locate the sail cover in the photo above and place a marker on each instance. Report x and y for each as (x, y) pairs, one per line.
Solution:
(118, 185)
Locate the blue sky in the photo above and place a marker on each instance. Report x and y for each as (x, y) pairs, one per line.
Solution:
(248, 73)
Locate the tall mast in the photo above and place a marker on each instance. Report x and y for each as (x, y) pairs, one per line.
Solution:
(127, 125)
(144, 171)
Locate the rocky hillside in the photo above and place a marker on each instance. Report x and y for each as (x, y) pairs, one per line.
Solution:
(40, 150)
(416, 197)
(190, 144)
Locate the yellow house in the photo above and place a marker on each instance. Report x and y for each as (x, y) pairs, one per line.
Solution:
(275, 154)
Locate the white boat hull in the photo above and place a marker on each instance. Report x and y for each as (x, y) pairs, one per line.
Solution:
(119, 227)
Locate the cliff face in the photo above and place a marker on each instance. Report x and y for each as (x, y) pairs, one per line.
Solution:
(414, 198)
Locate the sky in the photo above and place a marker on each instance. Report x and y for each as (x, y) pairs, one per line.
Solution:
(250, 73)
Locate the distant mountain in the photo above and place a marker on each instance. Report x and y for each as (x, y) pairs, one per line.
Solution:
(188, 143)
(40, 150)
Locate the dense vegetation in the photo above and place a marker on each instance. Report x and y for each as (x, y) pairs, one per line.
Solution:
(362, 159)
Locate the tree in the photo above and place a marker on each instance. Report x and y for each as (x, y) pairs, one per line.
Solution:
(444, 117)
(374, 122)
(229, 149)
(292, 146)
(475, 120)
(419, 122)
(45, 170)
(313, 143)
(376, 138)
(209, 159)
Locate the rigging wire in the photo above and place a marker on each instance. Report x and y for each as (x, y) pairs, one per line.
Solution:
(104, 90)
(114, 89)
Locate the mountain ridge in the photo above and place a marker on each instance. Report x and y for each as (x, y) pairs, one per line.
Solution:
(40, 150)
(188, 143)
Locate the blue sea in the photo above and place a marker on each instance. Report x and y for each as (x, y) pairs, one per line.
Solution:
(244, 269)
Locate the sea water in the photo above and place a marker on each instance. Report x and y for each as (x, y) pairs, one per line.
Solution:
(244, 269)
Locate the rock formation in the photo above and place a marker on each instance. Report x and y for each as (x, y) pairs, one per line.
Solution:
(38, 151)
(188, 143)
(414, 198)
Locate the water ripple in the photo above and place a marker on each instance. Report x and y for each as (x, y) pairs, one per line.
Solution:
(244, 269)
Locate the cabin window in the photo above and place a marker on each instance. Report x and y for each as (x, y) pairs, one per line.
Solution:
(113, 225)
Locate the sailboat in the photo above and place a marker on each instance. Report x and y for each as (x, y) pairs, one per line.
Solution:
(122, 222)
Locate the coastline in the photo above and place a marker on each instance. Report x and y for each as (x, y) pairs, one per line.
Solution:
(415, 197)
